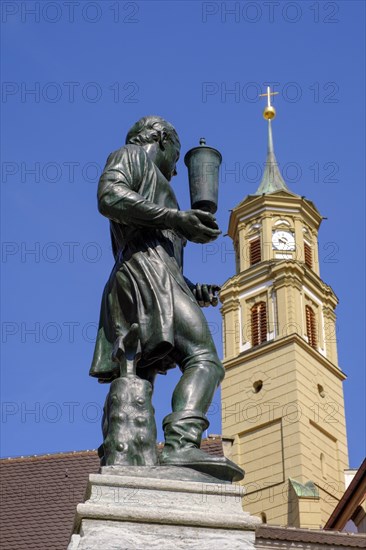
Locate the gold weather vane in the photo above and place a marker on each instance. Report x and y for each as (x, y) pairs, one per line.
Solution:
(272, 180)
(269, 111)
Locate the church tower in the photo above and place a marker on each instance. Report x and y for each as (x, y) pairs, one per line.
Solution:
(282, 396)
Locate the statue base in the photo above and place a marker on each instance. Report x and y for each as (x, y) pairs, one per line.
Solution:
(161, 507)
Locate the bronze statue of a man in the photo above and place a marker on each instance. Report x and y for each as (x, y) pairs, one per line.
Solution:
(147, 286)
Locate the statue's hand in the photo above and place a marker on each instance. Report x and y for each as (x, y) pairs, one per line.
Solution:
(196, 225)
(206, 294)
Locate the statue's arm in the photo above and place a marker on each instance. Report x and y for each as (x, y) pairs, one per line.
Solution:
(125, 174)
(118, 199)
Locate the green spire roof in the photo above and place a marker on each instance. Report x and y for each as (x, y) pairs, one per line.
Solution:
(272, 180)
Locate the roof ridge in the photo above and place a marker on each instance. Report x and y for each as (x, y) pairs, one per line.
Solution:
(84, 452)
(66, 454)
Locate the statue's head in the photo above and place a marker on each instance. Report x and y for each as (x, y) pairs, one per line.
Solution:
(150, 129)
(153, 132)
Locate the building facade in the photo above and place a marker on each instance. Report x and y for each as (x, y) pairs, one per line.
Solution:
(282, 396)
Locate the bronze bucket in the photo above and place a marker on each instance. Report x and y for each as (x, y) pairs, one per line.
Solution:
(203, 171)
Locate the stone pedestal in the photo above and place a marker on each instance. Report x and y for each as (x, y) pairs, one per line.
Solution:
(161, 507)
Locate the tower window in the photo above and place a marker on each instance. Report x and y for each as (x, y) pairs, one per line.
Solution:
(259, 323)
(255, 255)
(310, 326)
(308, 255)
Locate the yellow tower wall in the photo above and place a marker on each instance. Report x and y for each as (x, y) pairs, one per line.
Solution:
(287, 429)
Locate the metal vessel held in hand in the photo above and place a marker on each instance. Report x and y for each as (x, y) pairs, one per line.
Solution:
(203, 171)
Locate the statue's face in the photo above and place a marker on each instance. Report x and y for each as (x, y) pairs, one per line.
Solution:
(168, 158)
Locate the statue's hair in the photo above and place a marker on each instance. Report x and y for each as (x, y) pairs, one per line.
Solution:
(148, 128)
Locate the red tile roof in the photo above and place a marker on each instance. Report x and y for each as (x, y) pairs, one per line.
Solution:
(354, 495)
(309, 536)
(39, 497)
(39, 494)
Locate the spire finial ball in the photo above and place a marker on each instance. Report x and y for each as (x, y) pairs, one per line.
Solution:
(269, 112)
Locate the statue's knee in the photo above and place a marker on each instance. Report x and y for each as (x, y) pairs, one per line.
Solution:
(209, 366)
(215, 369)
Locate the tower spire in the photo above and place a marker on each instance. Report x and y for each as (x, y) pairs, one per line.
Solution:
(272, 180)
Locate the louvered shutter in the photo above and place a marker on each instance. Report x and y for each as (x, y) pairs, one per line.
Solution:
(308, 255)
(255, 251)
(311, 327)
(259, 323)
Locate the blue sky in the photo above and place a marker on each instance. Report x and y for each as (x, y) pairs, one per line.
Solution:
(75, 78)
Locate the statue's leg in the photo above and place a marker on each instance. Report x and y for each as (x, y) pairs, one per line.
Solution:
(195, 353)
(202, 373)
(192, 397)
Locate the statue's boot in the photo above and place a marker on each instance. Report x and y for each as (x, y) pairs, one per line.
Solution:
(183, 434)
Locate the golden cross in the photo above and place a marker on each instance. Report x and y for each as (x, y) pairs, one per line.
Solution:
(268, 94)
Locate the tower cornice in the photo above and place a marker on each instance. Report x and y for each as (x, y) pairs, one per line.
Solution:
(272, 345)
(280, 272)
(280, 202)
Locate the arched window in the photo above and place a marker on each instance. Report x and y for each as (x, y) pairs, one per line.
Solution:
(259, 323)
(311, 326)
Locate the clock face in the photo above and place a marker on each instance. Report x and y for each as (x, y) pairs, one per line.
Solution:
(283, 240)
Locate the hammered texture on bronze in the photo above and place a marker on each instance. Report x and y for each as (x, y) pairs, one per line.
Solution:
(129, 427)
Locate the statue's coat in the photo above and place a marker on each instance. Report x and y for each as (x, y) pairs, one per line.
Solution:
(147, 277)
